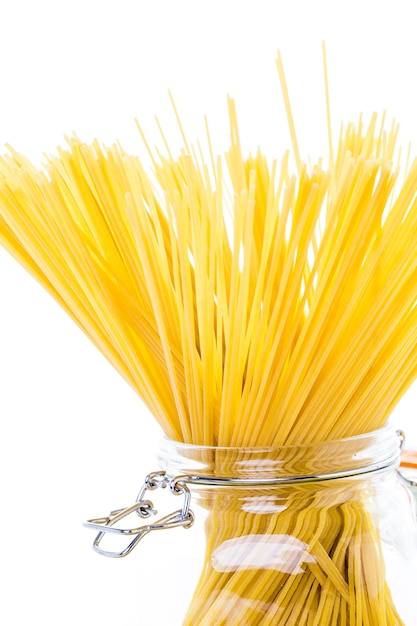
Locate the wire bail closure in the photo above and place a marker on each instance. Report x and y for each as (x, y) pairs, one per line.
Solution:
(143, 508)
(409, 481)
(185, 517)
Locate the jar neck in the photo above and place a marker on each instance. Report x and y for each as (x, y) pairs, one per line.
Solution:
(351, 456)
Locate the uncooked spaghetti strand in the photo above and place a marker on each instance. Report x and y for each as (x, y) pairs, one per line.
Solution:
(298, 377)
(143, 238)
(200, 209)
(308, 518)
(68, 300)
(278, 260)
(251, 580)
(373, 406)
(257, 323)
(328, 115)
(287, 316)
(192, 358)
(357, 367)
(205, 315)
(288, 110)
(124, 257)
(76, 309)
(351, 347)
(234, 338)
(233, 523)
(404, 382)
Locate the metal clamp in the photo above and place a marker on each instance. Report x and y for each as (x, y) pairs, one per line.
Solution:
(409, 481)
(144, 509)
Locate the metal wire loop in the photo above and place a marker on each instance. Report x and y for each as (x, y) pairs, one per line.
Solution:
(155, 480)
(143, 508)
(401, 435)
(409, 481)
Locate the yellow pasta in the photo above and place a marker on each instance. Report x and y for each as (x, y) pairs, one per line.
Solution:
(248, 306)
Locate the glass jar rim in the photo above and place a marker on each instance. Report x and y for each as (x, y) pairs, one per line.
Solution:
(349, 456)
(387, 431)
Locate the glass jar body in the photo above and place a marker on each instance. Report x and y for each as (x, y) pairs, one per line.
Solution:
(319, 534)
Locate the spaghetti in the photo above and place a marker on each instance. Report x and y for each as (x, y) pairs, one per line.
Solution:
(247, 306)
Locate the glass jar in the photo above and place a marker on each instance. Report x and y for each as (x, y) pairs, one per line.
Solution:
(322, 534)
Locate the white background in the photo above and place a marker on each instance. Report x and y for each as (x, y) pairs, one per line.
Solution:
(74, 439)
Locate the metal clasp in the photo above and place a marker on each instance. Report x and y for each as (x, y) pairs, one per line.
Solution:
(409, 481)
(144, 509)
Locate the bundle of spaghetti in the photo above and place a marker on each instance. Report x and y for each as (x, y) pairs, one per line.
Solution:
(301, 552)
(247, 305)
(316, 560)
